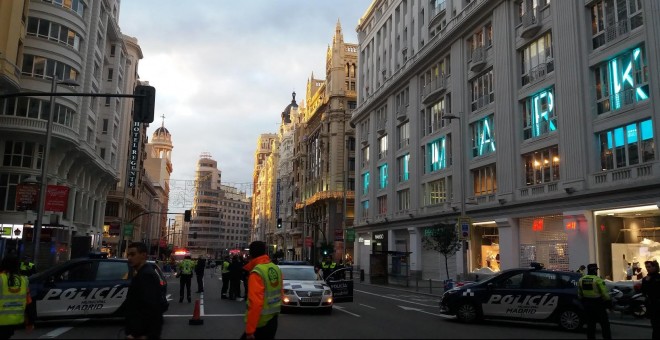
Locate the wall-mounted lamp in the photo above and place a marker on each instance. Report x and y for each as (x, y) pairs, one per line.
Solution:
(569, 190)
(502, 200)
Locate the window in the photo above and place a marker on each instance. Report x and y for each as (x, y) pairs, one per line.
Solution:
(102, 153)
(45, 29)
(542, 281)
(365, 209)
(510, 282)
(539, 116)
(365, 183)
(403, 132)
(484, 180)
(482, 90)
(382, 147)
(403, 167)
(403, 199)
(436, 157)
(77, 273)
(537, 60)
(483, 139)
(612, 19)
(22, 154)
(627, 145)
(382, 205)
(541, 166)
(432, 118)
(104, 128)
(365, 156)
(37, 109)
(622, 81)
(381, 119)
(112, 50)
(382, 176)
(435, 192)
(107, 101)
(112, 271)
(530, 6)
(480, 39)
(110, 74)
(40, 67)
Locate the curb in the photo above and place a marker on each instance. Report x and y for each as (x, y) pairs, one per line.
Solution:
(614, 322)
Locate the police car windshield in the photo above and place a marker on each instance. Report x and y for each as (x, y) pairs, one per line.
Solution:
(298, 273)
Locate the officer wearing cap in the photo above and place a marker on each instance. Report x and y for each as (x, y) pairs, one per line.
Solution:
(595, 299)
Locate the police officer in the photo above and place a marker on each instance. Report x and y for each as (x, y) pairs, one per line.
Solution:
(595, 299)
(328, 266)
(27, 267)
(17, 309)
(651, 289)
(225, 278)
(581, 269)
(185, 277)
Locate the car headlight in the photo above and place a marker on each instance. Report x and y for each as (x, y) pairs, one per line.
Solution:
(327, 292)
(288, 292)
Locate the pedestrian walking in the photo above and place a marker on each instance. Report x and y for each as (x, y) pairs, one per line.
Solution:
(225, 278)
(185, 277)
(264, 294)
(595, 299)
(200, 267)
(17, 309)
(651, 290)
(145, 304)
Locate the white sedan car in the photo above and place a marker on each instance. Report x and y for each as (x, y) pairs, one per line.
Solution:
(303, 291)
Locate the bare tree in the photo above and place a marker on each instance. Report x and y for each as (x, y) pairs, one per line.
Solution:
(442, 238)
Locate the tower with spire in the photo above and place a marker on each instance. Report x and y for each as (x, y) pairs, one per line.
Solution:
(158, 167)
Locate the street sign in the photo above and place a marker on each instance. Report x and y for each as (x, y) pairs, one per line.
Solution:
(128, 230)
(350, 235)
(464, 226)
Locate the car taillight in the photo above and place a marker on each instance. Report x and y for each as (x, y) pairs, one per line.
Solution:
(162, 283)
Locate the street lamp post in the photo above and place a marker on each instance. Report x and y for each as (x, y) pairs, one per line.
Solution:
(36, 235)
(463, 174)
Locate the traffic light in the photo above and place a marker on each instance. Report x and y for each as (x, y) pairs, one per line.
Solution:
(145, 104)
(324, 250)
(279, 223)
(186, 216)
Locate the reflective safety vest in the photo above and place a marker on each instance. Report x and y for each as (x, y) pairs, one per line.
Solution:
(272, 277)
(225, 267)
(13, 299)
(326, 265)
(26, 268)
(592, 287)
(187, 267)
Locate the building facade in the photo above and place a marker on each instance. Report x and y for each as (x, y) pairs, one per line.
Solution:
(260, 189)
(80, 42)
(235, 209)
(204, 231)
(552, 108)
(13, 17)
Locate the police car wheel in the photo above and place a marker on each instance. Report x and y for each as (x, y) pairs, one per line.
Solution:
(467, 312)
(570, 320)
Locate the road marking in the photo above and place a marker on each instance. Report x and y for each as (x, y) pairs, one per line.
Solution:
(341, 309)
(362, 304)
(59, 331)
(418, 310)
(169, 297)
(201, 304)
(391, 298)
(208, 315)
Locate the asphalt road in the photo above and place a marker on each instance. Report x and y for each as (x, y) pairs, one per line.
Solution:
(376, 313)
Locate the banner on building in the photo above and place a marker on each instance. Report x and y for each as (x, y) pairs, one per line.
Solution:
(134, 157)
(27, 197)
(57, 198)
(277, 200)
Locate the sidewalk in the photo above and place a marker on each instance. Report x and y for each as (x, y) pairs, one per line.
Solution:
(435, 289)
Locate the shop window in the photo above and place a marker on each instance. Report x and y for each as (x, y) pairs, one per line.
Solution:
(541, 166)
(627, 145)
(547, 244)
(22, 154)
(483, 138)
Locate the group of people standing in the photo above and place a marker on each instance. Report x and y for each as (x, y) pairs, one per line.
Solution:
(232, 275)
(596, 299)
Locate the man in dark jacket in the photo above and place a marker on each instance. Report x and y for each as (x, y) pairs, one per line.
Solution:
(145, 303)
(200, 266)
(651, 289)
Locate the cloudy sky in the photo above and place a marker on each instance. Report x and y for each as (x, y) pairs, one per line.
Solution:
(224, 70)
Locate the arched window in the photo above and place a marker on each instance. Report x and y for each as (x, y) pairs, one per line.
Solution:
(347, 70)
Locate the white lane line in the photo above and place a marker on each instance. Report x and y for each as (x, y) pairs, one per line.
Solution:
(362, 304)
(201, 304)
(207, 315)
(59, 331)
(169, 297)
(341, 309)
(391, 298)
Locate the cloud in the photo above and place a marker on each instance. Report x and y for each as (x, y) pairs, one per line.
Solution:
(225, 70)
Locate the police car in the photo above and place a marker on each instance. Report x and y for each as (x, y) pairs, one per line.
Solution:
(94, 286)
(524, 294)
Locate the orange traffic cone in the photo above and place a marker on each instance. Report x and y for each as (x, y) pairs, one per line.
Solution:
(196, 319)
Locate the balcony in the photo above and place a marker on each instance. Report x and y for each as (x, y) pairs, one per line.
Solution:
(35, 125)
(364, 138)
(625, 176)
(531, 23)
(381, 127)
(538, 73)
(536, 190)
(433, 90)
(402, 112)
(622, 100)
(478, 59)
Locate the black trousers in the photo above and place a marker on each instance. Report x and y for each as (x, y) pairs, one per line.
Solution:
(595, 311)
(225, 284)
(184, 281)
(655, 323)
(7, 332)
(267, 331)
(200, 282)
(234, 288)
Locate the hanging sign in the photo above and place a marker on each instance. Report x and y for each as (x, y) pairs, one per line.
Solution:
(133, 159)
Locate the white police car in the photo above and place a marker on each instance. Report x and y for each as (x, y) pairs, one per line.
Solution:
(527, 294)
(94, 286)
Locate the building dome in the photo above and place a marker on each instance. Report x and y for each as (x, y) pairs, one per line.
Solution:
(161, 131)
(286, 114)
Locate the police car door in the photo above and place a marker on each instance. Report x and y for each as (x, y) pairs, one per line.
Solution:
(64, 290)
(501, 294)
(542, 288)
(108, 289)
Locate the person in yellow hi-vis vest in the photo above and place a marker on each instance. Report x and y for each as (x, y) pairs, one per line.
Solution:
(595, 299)
(185, 276)
(16, 307)
(265, 291)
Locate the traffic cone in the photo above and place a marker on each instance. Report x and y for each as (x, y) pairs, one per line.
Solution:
(196, 319)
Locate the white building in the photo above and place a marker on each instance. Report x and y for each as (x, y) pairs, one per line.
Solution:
(558, 112)
(235, 209)
(204, 229)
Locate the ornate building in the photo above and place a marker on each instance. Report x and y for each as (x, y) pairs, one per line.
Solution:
(206, 216)
(158, 166)
(261, 210)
